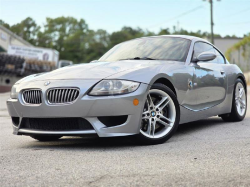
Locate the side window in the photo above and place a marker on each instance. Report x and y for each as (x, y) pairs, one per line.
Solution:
(201, 47)
(220, 58)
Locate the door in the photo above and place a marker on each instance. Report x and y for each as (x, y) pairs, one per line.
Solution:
(209, 82)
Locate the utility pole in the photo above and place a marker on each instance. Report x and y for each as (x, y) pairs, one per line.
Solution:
(212, 23)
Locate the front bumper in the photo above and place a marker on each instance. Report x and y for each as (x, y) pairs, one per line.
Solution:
(87, 107)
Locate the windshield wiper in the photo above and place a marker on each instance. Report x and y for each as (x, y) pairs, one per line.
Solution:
(139, 58)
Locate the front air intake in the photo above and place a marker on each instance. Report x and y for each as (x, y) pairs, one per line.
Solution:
(62, 95)
(33, 96)
(56, 124)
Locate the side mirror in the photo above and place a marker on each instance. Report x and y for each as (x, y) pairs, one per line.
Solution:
(205, 56)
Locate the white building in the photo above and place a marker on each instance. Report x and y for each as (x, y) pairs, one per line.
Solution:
(236, 57)
(14, 45)
(8, 38)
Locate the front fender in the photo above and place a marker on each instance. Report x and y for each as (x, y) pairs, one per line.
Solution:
(177, 73)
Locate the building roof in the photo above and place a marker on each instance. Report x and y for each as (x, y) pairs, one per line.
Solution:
(15, 36)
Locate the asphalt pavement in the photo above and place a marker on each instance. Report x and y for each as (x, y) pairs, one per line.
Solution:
(208, 152)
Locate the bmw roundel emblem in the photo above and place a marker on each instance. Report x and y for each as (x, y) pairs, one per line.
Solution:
(46, 83)
(153, 114)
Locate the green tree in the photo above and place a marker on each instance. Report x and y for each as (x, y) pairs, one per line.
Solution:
(244, 46)
(6, 25)
(126, 33)
(182, 31)
(27, 29)
(98, 43)
(164, 32)
(67, 35)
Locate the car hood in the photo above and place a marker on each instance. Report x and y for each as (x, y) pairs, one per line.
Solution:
(99, 70)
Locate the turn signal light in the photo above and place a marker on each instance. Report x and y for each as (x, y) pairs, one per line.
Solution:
(136, 102)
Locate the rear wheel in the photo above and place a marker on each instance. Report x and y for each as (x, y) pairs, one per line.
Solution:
(239, 103)
(45, 138)
(160, 117)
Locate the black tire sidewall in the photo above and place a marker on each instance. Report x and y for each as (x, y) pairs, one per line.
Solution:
(145, 140)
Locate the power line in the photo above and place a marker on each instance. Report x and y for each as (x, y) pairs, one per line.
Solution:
(235, 23)
(176, 17)
(220, 23)
(236, 13)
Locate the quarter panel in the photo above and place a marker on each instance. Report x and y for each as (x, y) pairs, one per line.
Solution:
(233, 72)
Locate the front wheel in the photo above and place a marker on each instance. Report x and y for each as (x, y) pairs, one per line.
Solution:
(160, 117)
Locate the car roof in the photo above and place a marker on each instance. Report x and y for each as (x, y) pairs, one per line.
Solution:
(188, 37)
(183, 36)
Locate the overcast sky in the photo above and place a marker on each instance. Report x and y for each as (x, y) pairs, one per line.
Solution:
(230, 16)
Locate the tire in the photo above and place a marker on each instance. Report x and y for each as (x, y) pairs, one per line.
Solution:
(236, 114)
(159, 121)
(42, 138)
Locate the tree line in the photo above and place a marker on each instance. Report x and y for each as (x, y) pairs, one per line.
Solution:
(77, 42)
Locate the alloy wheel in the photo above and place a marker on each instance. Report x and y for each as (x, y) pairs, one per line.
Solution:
(158, 115)
(240, 99)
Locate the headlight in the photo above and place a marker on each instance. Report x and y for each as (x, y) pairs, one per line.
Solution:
(13, 93)
(114, 87)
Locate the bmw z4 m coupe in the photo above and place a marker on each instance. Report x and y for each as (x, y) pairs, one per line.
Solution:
(144, 87)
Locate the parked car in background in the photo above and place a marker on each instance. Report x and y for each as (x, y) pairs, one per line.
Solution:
(63, 63)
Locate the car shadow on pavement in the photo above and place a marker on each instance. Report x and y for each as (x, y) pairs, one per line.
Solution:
(203, 124)
(119, 142)
(89, 143)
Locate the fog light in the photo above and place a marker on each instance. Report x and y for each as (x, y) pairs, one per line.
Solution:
(136, 102)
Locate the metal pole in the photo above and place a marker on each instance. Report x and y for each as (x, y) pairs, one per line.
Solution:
(212, 23)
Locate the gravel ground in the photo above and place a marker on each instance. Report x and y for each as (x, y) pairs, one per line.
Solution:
(208, 152)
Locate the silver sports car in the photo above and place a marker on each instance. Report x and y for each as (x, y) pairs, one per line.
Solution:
(144, 87)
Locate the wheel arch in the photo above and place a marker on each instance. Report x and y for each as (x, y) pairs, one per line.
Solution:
(167, 83)
(242, 77)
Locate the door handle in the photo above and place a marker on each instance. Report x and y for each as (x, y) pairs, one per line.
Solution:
(222, 72)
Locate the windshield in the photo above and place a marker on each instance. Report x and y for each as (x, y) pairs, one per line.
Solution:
(152, 48)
